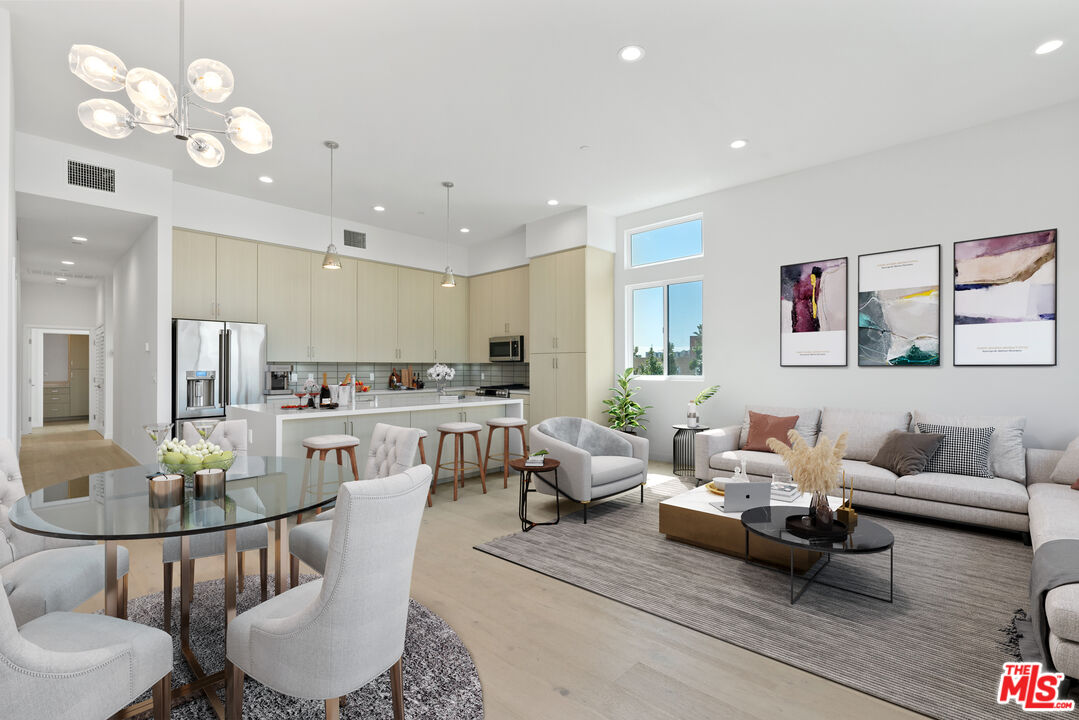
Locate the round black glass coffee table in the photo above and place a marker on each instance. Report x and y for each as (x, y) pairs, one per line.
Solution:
(867, 537)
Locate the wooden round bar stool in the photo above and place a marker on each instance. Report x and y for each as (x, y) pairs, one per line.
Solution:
(323, 444)
(423, 461)
(505, 423)
(458, 430)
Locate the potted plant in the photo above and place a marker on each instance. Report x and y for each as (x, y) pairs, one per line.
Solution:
(623, 412)
(692, 418)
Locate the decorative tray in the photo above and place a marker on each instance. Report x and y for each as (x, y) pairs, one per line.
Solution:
(838, 530)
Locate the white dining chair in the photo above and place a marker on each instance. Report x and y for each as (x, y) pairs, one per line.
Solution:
(76, 666)
(327, 638)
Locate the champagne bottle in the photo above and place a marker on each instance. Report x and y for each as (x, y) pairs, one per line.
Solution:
(324, 393)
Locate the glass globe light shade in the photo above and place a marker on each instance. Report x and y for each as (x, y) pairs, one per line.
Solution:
(210, 80)
(150, 91)
(107, 118)
(205, 149)
(248, 131)
(159, 124)
(97, 67)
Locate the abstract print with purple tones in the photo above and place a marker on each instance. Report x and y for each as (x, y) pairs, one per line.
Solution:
(813, 296)
(1009, 279)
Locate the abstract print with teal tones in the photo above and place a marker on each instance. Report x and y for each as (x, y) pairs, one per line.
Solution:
(899, 326)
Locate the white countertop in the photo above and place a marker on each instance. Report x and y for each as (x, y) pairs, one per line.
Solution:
(362, 407)
(387, 391)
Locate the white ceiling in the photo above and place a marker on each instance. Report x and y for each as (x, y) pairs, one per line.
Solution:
(498, 96)
(45, 226)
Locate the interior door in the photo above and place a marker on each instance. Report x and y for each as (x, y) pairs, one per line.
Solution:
(97, 379)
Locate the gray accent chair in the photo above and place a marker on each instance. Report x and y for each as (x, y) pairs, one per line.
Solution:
(230, 435)
(43, 574)
(391, 452)
(596, 462)
(75, 666)
(327, 638)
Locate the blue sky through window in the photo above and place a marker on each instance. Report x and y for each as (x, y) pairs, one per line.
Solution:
(684, 308)
(665, 243)
(648, 319)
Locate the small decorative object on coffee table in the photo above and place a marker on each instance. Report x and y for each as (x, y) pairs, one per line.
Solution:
(815, 469)
(845, 512)
(683, 448)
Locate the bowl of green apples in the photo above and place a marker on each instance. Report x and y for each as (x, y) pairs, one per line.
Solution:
(176, 456)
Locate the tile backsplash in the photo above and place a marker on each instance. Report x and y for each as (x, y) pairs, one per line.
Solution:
(468, 374)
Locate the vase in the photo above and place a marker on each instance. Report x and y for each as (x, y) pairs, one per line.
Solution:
(821, 510)
(441, 385)
(692, 419)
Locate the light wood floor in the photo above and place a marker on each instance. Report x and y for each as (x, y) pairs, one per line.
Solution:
(546, 649)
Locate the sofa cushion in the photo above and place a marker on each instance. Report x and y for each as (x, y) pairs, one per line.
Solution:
(1067, 470)
(612, 468)
(866, 429)
(1007, 458)
(907, 453)
(1062, 610)
(807, 425)
(989, 493)
(1065, 654)
(964, 450)
(1054, 513)
(869, 477)
(763, 427)
(757, 463)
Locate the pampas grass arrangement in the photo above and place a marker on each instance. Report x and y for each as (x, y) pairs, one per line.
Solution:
(815, 469)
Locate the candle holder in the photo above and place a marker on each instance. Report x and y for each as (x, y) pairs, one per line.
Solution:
(209, 484)
(166, 491)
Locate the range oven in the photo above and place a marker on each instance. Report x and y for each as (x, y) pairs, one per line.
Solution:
(507, 349)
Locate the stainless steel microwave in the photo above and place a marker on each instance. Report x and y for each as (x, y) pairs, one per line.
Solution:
(507, 349)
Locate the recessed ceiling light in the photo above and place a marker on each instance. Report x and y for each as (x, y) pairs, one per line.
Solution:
(379, 208)
(78, 238)
(631, 53)
(265, 179)
(585, 147)
(465, 230)
(739, 144)
(1049, 46)
(552, 202)
(61, 280)
(66, 262)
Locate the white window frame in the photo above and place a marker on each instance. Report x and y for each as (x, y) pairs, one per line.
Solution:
(628, 241)
(630, 288)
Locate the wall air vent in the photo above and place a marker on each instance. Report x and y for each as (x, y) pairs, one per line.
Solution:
(94, 177)
(355, 239)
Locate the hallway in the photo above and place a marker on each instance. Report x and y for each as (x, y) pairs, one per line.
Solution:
(66, 451)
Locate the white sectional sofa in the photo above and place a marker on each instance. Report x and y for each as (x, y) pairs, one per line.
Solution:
(1022, 497)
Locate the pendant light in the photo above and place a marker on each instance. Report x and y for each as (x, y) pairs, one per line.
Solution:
(332, 261)
(447, 275)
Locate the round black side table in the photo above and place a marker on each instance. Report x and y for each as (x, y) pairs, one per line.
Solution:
(684, 448)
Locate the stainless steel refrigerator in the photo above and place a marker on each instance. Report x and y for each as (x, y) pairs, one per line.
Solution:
(214, 365)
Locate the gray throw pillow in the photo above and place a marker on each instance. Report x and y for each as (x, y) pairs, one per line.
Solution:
(907, 453)
(964, 450)
(1067, 470)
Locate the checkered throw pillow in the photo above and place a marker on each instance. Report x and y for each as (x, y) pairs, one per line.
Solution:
(964, 450)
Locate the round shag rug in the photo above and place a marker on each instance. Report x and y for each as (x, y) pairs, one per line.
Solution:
(439, 676)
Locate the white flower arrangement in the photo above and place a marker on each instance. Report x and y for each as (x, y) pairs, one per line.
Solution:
(441, 372)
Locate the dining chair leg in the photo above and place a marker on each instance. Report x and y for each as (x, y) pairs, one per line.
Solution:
(240, 571)
(505, 458)
(234, 692)
(352, 459)
(162, 697)
(187, 589)
(293, 571)
(166, 586)
(397, 690)
(438, 463)
(264, 571)
(123, 597)
(333, 709)
(483, 470)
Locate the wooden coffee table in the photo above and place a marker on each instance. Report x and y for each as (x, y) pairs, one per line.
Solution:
(690, 518)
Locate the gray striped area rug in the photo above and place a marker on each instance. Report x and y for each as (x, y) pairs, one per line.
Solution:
(938, 650)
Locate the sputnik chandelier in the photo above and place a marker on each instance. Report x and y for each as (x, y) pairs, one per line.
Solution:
(158, 108)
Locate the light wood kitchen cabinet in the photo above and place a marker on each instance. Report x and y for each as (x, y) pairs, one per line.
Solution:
(284, 302)
(78, 381)
(509, 302)
(415, 324)
(78, 352)
(333, 310)
(237, 280)
(542, 289)
(479, 318)
(376, 291)
(194, 275)
(543, 387)
(570, 307)
(558, 385)
(451, 309)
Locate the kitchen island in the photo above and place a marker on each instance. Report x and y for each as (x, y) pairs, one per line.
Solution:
(276, 431)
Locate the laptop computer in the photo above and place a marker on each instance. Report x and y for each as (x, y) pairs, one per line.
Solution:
(741, 496)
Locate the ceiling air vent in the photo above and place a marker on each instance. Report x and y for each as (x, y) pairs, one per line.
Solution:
(355, 239)
(94, 177)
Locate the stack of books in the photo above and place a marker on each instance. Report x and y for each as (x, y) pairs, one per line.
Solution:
(785, 492)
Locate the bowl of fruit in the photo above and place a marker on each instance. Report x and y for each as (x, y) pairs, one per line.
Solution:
(176, 456)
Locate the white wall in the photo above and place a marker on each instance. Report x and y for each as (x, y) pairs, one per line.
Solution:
(9, 271)
(498, 254)
(49, 305)
(137, 348)
(571, 229)
(1005, 177)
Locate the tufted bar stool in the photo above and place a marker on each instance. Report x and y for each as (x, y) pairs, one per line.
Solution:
(458, 430)
(505, 423)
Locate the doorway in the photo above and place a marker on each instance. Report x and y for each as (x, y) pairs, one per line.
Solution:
(59, 378)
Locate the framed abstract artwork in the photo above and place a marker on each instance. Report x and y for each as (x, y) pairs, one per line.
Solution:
(1005, 300)
(899, 308)
(813, 314)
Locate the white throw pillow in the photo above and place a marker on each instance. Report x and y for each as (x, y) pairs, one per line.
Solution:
(1007, 457)
(1067, 470)
(807, 425)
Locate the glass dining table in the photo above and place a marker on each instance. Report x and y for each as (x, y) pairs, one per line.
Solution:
(120, 505)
